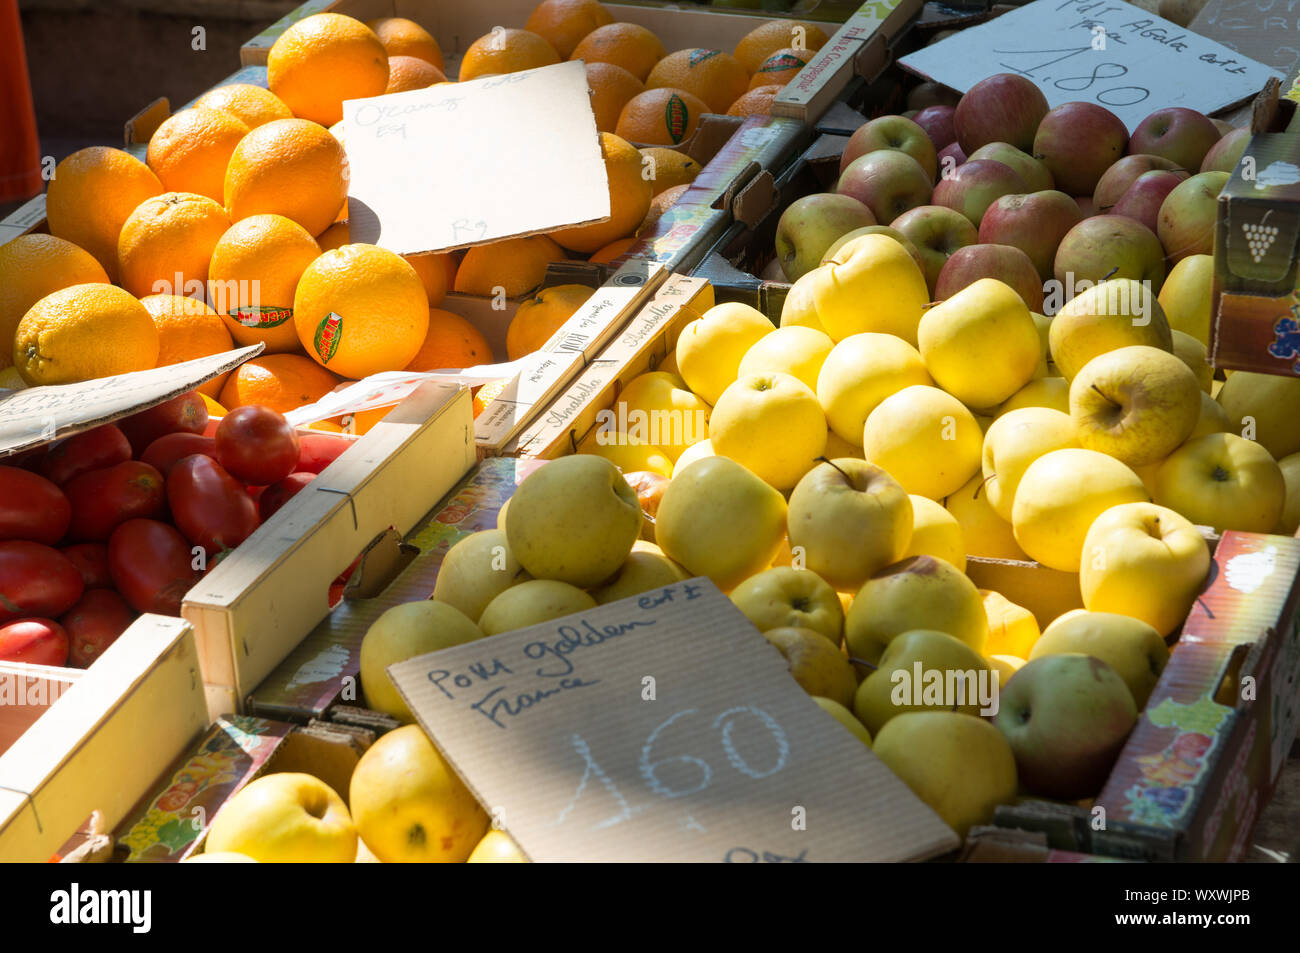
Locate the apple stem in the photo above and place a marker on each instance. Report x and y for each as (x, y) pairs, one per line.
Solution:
(1099, 391)
(1106, 276)
(864, 663)
(982, 484)
(831, 463)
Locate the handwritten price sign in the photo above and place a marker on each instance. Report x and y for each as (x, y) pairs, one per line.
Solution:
(662, 727)
(1110, 53)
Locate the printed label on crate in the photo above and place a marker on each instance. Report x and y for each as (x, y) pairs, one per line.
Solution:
(662, 727)
(1113, 54)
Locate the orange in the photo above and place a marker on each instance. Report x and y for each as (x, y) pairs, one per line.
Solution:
(167, 243)
(279, 381)
(402, 37)
(628, 45)
(562, 23)
(322, 60)
(411, 72)
(661, 116)
(252, 105)
(31, 267)
(516, 266)
(779, 68)
(487, 393)
(451, 342)
(756, 102)
(214, 409)
(84, 332)
(670, 168)
(328, 426)
(187, 328)
(433, 275)
(611, 87)
(336, 236)
(190, 150)
(712, 75)
(761, 42)
(611, 251)
(253, 276)
(290, 167)
(92, 193)
(661, 204)
(506, 51)
(629, 199)
(539, 317)
(360, 310)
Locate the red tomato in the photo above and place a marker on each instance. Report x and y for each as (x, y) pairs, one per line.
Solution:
(93, 450)
(36, 641)
(104, 499)
(319, 450)
(164, 452)
(184, 414)
(278, 494)
(91, 560)
(209, 506)
(36, 580)
(94, 624)
(256, 445)
(31, 507)
(152, 566)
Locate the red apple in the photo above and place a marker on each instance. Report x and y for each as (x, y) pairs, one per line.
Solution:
(1187, 217)
(1078, 142)
(1183, 136)
(1004, 107)
(950, 158)
(931, 94)
(1035, 174)
(892, 132)
(1144, 197)
(968, 265)
(1227, 152)
(1109, 246)
(886, 181)
(810, 225)
(937, 232)
(1116, 180)
(976, 185)
(1034, 223)
(937, 121)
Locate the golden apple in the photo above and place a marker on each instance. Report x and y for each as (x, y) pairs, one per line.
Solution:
(935, 532)
(925, 439)
(709, 350)
(870, 284)
(285, 818)
(845, 718)
(696, 451)
(401, 633)
(1213, 418)
(1111, 314)
(659, 410)
(496, 847)
(985, 533)
(1014, 441)
(410, 806)
(1013, 629)
(1134, 649)
(798, 310)
(642, 572)
(772, 425)
(860, 372)
(476, 570)
(837, 446)
(797, 351)
(1005, 666)
(1051, 392)
(920, 592)
(1224, 481)
(783, 597)
(1290, 521)
(892, 688)
(1059, 496)
(531, 603)
(1192, 353)
(980, 345)
(1264, 408)
(815, 662)
(626, 452)
(1187, 295)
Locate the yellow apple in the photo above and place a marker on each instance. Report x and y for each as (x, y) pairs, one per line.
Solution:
(925, 439)
(1111, 314)
(935, 532)
(1005, 666)
(845, 718)
(1135, 403)
(849, 519)
(501, 516)
(574, 519)
(1013, 629)
(410, 806)
(1263, 408)
(626, 452)
(1134, 649)
(401, 633)
(837, 446)
(1059, 496)
(980, 345)
(476, 570)
(709, 349)
(1192, 353)
(642, 572)
(496, 847)
(920, 592)
(1187, 294)
(1145, 561)
(960, 766)
(798, 309)
(718, 519)
(1224, 481)
(1043, 324)
(772, 425)
(1014, 441)
(659, 410)
(815, 662)
(796, 351)
(1051, 392)
(870, 284)
(696, 451)
(1290, 521)
(892, 688)
(1213, 418)
(986, 534)
(285, 818)
(531, 603)
(782, 597)
(860, 372)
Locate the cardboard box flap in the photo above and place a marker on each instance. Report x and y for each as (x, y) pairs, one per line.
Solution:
(1260, 29)
(29, 418)
(662, 727)
(527, 160)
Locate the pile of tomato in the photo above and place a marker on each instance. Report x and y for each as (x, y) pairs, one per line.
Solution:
(125, 518)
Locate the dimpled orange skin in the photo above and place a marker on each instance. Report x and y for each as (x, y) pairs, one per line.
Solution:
(82, 333)
(563, 23)
(188, 329)
(166, 245)
(190, 150)
(288, 167)
(31, 267)
(253, 105)
(322, 60)
(506, 51)
(402, 37)
(629, 199)
(714, 76)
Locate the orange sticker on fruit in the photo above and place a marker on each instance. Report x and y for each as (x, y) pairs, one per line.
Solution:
(329, 333)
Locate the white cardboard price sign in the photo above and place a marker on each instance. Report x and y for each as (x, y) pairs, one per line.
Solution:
(662, 727)
(1100, 51)
(466, 163)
